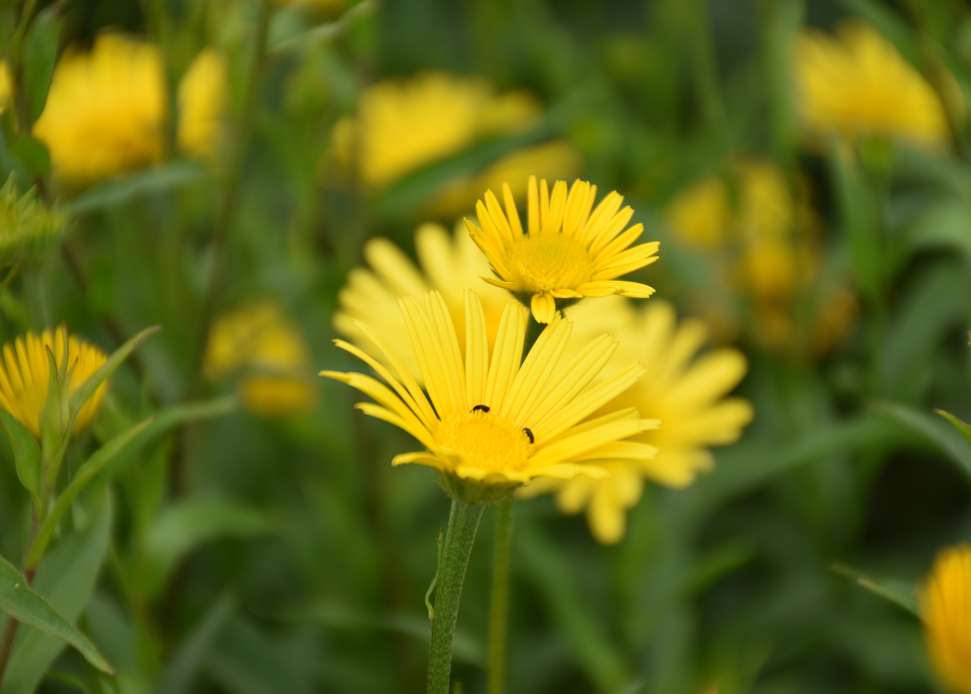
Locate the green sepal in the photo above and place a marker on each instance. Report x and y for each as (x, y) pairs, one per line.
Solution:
(55, 420)
(26, 455)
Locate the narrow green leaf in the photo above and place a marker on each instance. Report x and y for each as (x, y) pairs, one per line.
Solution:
(88, 471)
(117, 192)
(958, 424)
(943, 437)
(26, 454)
(66, 577)
(27, 606)
(189, 658)
(40, 53)
(899, 593)
(86, 390)
(187, 524)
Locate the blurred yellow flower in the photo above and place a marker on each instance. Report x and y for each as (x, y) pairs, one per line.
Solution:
(857, 84)
(491, 416)
(402, 126)
(106, 109)
(25, 375)
(685, 392)
(202, 102)
(259, 343)
(946, 610)
(569, 249)
(761, 234)
(448, 263)
(4, 85)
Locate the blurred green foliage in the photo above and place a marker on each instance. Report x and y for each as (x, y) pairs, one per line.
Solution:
(237, 554)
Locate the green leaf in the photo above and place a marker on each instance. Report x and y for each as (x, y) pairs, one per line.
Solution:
(187, 524)
(88, 471)
(958, 424)
(86, 390)
(40, 54)
(32, 155)
(195, 648)
(27, 606)
(900, 593)
(66, 578)
(943, 437)
(118, 192)
(26, 454)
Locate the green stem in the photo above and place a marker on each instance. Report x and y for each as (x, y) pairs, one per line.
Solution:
(463, 523)
(499, 602)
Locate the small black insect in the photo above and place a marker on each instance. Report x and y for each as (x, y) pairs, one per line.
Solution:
(529, 434)
(480, 408)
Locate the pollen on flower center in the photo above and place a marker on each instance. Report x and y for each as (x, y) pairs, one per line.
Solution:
(485, 441)
(546, 263)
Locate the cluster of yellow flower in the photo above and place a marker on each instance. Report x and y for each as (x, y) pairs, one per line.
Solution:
(607, 396)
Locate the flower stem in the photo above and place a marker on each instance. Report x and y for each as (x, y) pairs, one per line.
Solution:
(463, 523)
(499, 601)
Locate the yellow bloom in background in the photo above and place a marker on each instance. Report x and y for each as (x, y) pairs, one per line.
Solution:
(567, 251)
(857, 84)
(401, 126)
(25, 375)
(202, 103)
(946, 610)
(4, 85)
(491, 416)
(260, 344)
(686, 392)
(761, 235)
(448, 263)
(106, 109)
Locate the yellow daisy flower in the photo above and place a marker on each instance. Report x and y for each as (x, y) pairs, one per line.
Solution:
(856, 84)
(401, 126)
(686, 393)
(25, 375)
(447, 263)
(258, 341)
(567, 251)
(106, 109)
(489, 415)
(946, 609)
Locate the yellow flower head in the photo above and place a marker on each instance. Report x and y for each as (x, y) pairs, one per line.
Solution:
(946, 609)
(106, 109)
(404, 125)
(489, 415)
(686, 393)
(449, 264)
(258, 341)
(25, 375)
(567, 250)
(857, 84)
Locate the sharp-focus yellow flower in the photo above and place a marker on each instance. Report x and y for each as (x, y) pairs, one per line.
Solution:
(449, 264)
(946, 609)
(266, 349)
(25, 375)
(106, 110)
(402, 126)
(685, 392)
(491, 416)
(567, 251)
(857, 84)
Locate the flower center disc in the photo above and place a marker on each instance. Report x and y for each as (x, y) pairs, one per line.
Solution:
(484, 441)
(544, 264)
